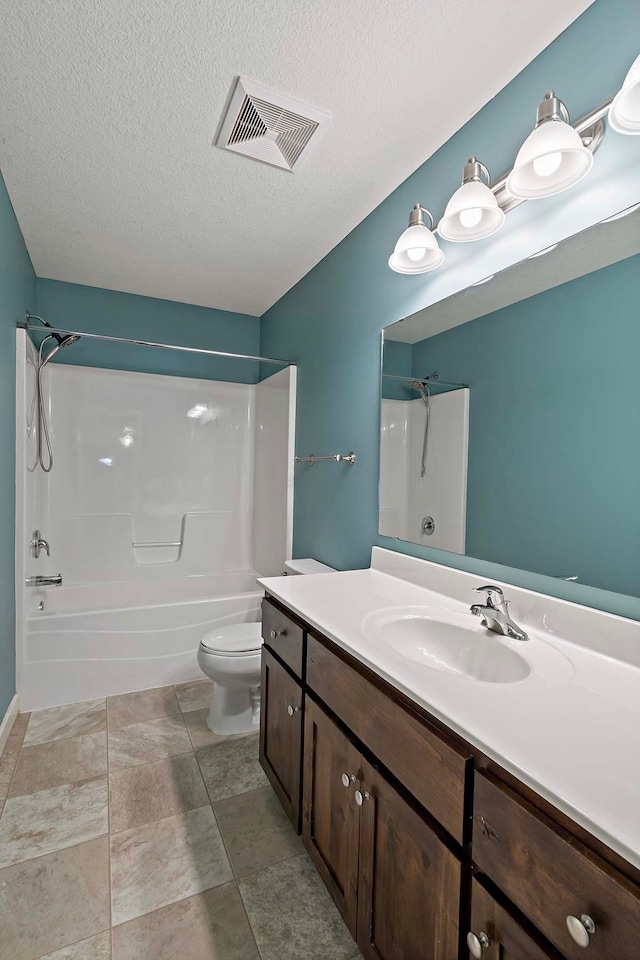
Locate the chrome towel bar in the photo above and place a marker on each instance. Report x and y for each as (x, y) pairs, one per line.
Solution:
(349, 458)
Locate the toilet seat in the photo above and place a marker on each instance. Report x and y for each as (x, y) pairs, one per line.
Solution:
(234, 640)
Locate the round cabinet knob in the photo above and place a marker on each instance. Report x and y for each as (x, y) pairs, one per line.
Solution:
(347, 779)
(291, 710)
(580, 928)
(276, 633)
(361, 796)
(477, 944)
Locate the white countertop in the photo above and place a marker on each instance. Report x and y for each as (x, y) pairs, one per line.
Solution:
(570, 730)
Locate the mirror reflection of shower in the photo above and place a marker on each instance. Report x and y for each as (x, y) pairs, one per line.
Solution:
(422, 387)
(42, 428)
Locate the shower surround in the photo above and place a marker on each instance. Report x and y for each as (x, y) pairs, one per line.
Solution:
(168, 496)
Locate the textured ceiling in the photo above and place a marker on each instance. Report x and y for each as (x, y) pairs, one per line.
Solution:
(108, 111)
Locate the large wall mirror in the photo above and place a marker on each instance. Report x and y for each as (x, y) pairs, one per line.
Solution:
(510, 419)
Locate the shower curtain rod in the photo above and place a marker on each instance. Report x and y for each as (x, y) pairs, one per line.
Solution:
(149, 343)
(430, 380)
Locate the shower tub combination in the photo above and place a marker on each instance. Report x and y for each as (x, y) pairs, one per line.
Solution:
(102, 639)
(154, 498)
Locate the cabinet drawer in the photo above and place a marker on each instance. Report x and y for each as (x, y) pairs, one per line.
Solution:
(283, 635)
(431, 769)
(550, 876)
(499, 934)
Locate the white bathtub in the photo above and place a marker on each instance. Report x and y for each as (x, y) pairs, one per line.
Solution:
(98, 640)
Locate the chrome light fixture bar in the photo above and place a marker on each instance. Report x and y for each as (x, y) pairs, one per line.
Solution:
(556, 155)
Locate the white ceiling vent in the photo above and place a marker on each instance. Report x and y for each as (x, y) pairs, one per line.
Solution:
(269, 126)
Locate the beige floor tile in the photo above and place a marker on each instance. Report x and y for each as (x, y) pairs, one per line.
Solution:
(70, 720)
(10, 754)
(208, 926)
(256, 831)
(231, 767)
(201, 736)
(164, 862)
(152, 791)
(147, 741)
(45, 765)
(95, 948)
(143, 705)
(292, 914)
(53, 901)
(7, 770)
(14, 742)
(195, 695)
(40, 823)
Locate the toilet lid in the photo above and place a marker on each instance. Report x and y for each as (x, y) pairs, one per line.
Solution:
(234, 639)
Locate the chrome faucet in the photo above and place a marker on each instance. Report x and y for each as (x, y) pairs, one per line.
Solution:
(38, 544)
(495, 613)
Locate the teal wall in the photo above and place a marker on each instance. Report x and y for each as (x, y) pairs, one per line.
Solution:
(397, 360)
(554, 481)
(330, 322)
(94, 310)
(17, 294)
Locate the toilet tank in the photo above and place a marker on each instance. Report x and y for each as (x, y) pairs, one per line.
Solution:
(298, 567)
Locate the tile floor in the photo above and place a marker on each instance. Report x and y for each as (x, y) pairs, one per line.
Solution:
(128, 831)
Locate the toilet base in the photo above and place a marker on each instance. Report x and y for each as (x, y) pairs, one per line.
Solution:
(234, 710)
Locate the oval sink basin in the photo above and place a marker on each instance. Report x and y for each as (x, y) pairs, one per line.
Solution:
(456, 645)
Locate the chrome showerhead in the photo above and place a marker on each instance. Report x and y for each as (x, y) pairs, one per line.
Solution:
(68, 340)
(61, 341)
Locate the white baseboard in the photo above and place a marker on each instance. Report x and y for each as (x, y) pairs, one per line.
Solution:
(8, 721)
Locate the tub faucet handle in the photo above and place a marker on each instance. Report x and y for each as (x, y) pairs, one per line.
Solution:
(38, 544)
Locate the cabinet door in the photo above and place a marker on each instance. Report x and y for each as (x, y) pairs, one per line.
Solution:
(496, 935)
(281, 734)
(330, 815)
(409, 882)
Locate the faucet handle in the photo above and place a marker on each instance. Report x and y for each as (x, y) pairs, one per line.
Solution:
(494, 594)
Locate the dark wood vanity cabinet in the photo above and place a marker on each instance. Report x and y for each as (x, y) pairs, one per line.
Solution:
(281, 733)
(395, 882)
(421, 840)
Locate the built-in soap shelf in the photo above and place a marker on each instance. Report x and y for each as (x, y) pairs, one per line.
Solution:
(90, 548)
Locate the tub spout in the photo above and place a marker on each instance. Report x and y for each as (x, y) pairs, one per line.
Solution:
(53, 581)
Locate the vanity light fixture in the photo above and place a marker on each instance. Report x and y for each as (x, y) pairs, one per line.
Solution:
(417, 249)
(472, 212)
(624, 112)
(556, 155)
(552, 158)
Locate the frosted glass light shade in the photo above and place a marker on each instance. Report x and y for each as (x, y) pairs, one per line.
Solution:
(416, 251)
(624, 112)
(552, 159)
(471, 214)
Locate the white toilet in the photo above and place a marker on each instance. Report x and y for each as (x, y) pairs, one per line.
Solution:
(231, 657)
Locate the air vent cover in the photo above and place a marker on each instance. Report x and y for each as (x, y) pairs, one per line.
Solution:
(270, 126)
